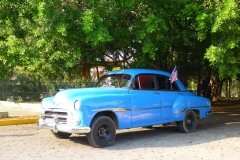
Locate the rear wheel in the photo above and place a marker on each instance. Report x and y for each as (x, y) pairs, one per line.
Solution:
(103, 132)
(189, 122)
(61, 135)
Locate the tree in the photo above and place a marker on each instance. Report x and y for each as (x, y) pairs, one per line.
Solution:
(221, 20)
(64, 39)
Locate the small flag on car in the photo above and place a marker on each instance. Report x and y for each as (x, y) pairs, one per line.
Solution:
(174, 75)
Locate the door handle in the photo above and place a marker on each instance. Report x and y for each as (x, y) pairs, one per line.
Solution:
(156, 92)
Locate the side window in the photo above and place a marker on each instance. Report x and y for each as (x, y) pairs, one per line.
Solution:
(144, 82)
(164, 83)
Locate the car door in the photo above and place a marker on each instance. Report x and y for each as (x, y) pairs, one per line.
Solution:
(169, 94)
(145, 100)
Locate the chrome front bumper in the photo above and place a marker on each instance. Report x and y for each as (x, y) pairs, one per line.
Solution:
(63, 127)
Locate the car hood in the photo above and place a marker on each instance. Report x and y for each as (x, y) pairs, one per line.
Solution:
(70, 95)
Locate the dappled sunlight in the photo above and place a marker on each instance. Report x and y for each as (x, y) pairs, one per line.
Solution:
(233, 123)
(234, 114)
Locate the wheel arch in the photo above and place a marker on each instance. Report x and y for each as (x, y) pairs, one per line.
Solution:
(197, 113)
(109, 114)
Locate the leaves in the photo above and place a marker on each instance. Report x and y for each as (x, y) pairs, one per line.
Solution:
(220, 21)
(59, 38)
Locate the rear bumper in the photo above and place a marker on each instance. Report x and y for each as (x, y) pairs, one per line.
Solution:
(63, 127)
(209, 113)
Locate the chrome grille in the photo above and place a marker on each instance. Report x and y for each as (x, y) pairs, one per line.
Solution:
(50, 113)
(62, 116)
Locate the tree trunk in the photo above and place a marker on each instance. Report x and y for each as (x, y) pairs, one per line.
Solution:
(220, 89)
(228, 89)
(216, 85)
(210, 87)
(97, 74)
(206, 87)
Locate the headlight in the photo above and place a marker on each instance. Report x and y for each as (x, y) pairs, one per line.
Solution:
(76, 105)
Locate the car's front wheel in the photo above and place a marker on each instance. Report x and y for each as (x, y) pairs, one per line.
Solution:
(61, 135)
(102, 133)
(189, 122)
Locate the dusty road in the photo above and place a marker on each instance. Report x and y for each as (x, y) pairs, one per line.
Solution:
(217, 137)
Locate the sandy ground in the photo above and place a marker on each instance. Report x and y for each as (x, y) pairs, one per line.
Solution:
(216, 137)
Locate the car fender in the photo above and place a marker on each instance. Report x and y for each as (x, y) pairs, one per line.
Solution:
(180, 107)
(118, 104)
(202, 104)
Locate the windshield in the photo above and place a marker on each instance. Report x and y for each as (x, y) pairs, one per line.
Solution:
(115, 80)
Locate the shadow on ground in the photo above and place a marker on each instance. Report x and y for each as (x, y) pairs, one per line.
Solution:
(222, 124)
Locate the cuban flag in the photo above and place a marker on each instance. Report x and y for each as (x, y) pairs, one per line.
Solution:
(174, 75)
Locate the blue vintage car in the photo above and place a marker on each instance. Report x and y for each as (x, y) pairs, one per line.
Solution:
(123, 99)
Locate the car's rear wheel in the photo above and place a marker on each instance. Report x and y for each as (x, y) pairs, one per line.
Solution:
(61, 135)
(103, 132)
(189, 122)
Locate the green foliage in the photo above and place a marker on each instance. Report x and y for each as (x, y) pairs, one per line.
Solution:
(58, 40)
(94, 28)
(220, 21)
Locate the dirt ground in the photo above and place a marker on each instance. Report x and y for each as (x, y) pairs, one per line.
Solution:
(216, 137)
(226, 103)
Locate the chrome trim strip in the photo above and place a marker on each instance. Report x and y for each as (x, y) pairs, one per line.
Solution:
(184, 110)
(125, 109)
(52, 115)
(112, 109)
(141, 109)
(166, 106)
(179, 112)
(200, 107)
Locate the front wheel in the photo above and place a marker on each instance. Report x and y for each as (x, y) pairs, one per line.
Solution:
(102, 133)
(61, 135)
(148, 127)
(189, 122)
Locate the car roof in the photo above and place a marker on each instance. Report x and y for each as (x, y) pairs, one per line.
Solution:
(136, 71)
